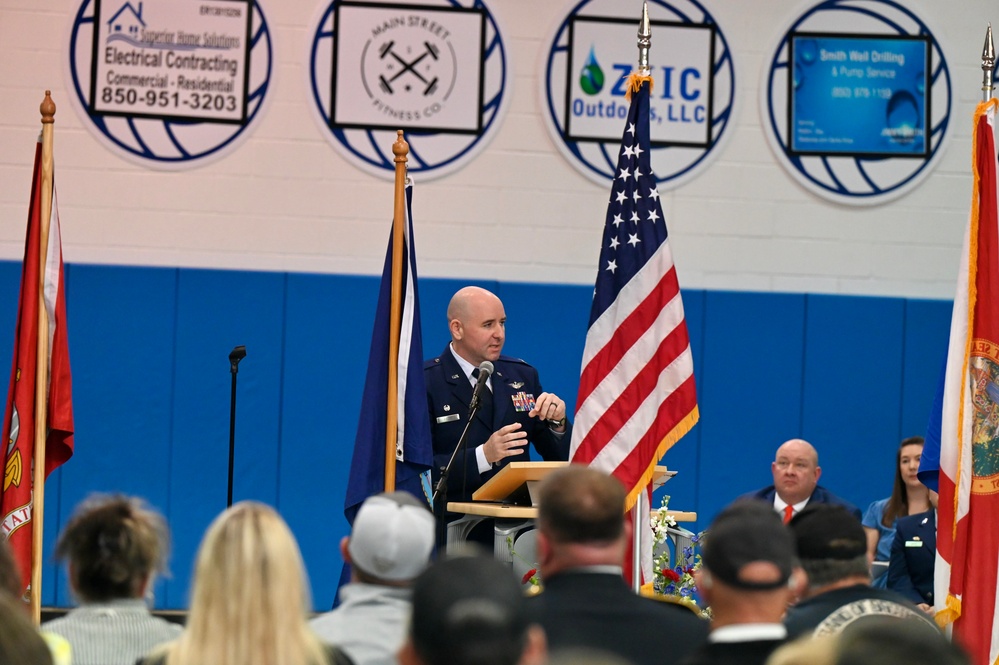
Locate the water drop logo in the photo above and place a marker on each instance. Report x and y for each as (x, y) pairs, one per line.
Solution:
(591, 79)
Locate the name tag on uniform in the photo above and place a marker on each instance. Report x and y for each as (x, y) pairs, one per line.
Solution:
(916, 542)
(523, 401)
(448, 419)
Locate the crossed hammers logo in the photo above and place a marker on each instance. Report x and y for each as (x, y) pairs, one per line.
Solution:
(387, 51)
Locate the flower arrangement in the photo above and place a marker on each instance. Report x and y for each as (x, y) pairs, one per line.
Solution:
(673, 578)
(532, 576)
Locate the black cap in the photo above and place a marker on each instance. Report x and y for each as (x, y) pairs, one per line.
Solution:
(828, 531)
(747, 532)
(468, 609)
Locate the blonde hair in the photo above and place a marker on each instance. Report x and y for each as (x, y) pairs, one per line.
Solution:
(250, 599)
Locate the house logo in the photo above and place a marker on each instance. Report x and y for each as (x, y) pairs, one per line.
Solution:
(127, 21)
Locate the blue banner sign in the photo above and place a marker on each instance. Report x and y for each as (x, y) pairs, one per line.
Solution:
(856, 95)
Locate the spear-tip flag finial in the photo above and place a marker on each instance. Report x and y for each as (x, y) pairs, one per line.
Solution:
(988, 65)
(644, 41)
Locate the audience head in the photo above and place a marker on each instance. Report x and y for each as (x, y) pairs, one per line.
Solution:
(113, 546)
(581, 519)
(831, 546)
(906, 466)
(470, 611)
(477, 323)
(250, 599)
(888, 641)
(391, 540)
(796, 471)
(10, 575)
(20, 642)
(749, 570)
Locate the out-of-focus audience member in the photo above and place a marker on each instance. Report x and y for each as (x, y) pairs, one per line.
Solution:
(20, 642)
(913, 556)
(584, 656)
(249, 599)
(582, 539)
(796, 474)
(469, 610)
(908, 497)
(888, 642)
(832, 550)
(10, 577)
(390, 543)
(806, 651)
(748, 577)
(113, 547)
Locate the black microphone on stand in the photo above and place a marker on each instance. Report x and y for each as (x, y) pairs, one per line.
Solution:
(235, 356)
(485, 369)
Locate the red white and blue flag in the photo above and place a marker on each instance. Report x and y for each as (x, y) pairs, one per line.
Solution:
(963, 435)
(636, 391)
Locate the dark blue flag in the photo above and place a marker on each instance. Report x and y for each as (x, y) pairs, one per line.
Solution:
(414, 450)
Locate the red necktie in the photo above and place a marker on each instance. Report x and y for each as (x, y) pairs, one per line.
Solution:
(788, 513)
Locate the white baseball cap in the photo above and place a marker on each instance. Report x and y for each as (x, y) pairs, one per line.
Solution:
(390, 540)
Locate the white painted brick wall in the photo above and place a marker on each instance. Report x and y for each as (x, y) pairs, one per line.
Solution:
(286, 201)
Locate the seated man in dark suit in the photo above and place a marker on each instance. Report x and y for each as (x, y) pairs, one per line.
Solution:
(796, 474)
(515, 411)
(582, 538)
(913, 556)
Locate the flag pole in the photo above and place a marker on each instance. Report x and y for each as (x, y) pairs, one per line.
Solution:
(400, 149)
(644, 44)
(47, 109)
(988, 65)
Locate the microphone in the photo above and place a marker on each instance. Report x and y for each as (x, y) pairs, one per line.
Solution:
(485, 369)
(235, 356)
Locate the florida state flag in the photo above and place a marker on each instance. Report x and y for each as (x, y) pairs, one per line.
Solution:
(19, 419)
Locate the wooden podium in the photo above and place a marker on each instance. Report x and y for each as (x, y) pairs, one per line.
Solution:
(510, 498)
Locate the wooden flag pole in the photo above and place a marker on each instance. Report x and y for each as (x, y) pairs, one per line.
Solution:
(401, 150)
(47, 109)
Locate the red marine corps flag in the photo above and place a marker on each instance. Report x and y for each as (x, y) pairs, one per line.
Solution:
(28, 397)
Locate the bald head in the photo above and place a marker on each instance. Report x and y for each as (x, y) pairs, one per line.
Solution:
(477, 322)
(796, 471)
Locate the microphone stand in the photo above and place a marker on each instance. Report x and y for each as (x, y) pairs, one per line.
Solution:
(235, 356)
(441, 488)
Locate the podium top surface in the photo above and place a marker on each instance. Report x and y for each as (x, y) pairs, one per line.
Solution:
(515, 474)
(511, 477)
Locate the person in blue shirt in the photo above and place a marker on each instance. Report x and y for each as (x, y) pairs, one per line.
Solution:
(908, 497)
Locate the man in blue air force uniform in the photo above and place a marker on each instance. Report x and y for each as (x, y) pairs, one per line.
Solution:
(514, 412)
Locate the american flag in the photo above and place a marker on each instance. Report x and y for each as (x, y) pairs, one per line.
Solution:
(636, 390)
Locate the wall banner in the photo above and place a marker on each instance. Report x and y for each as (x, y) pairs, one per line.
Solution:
(856, 100)
(439, 72)
(590, 55)
(169, 84)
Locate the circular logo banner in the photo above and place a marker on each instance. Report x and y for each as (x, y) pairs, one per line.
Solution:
(590, 55)
(169, 84)
(378, 68)
(856, 100)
